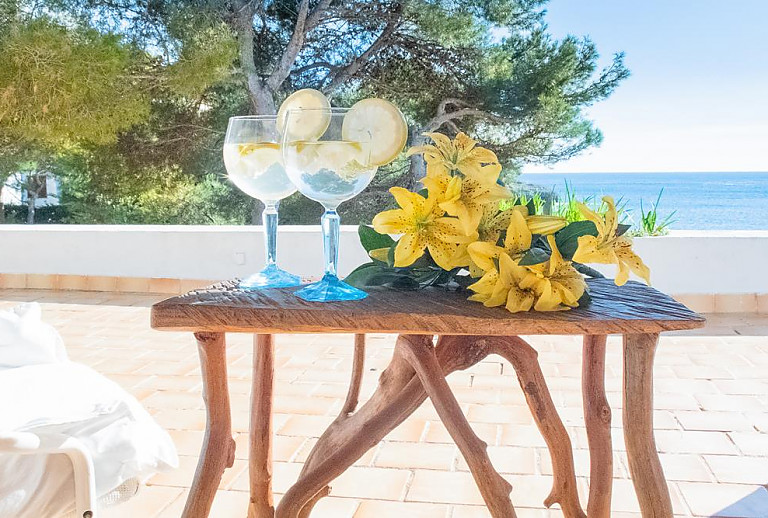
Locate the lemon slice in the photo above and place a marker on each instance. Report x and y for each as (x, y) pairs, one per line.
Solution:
(260, 157)
(382, 123)
(308, 125)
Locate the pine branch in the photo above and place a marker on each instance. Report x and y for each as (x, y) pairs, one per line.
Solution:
(356, 64)
(283, 68)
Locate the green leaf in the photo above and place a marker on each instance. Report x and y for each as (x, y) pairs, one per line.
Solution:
(622, 229)
(588, 271)
(534, 256)
(391, 255)
(585, 299)
(361, 276)
(371, 240)
(404, 282)
(567, 239)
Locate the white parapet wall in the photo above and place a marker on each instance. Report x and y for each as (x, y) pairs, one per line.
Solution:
(684, 262)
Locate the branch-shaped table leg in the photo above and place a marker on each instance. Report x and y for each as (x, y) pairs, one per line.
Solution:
(349, 406)
(597, 419)
(260, 455)
(218, 451)
(644, 464)
(400, 393)
(495, 489)
(524, 359)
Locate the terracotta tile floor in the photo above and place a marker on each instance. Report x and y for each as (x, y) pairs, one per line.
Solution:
(711, 416)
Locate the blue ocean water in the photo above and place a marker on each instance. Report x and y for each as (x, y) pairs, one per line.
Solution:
(703, 201)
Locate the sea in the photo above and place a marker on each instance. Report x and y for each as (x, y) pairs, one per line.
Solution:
(700, 201)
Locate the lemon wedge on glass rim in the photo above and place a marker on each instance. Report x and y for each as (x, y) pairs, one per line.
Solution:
(307, 125)
(382, 123)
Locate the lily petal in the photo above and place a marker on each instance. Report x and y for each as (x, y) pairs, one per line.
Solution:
(590, 251)
(519, 237)
(519, 300)
(594, 217)
(483, 254)
(409, 248)
(395, 221)
(408, 201)
(442, 252)
(626, 255)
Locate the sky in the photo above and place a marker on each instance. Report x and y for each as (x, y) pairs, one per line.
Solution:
(697, 99)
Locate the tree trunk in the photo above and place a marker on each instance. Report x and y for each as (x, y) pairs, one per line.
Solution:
(2, 205)
(262, 97)
(256, 210)
(417, 168)
(31, 199)
(262, 100)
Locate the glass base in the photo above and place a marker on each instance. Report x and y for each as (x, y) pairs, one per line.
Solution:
(270, 277)
(330, 289)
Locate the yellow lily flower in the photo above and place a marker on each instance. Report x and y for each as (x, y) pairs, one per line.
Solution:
(465, 197)
(557, 284)
(504, 287)
(609, 248)
(492, 222)
(423, 227)
(462, 155)
(516, 243)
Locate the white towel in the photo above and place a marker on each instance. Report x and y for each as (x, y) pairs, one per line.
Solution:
(26, 340)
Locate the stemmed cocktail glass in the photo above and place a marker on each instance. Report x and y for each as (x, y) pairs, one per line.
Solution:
(254, 162)
(329, 162)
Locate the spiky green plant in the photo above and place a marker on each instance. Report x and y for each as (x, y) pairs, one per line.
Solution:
(650, 224)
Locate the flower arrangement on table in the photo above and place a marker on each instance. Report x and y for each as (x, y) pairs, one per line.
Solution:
(466, 230)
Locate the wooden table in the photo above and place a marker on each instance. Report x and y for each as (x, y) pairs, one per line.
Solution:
(467, 332)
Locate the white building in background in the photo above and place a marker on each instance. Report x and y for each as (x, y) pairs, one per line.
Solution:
(14, 192)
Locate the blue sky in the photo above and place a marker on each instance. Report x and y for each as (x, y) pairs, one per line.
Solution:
(697, 99)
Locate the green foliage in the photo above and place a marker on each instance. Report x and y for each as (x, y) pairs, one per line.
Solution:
(54, 214)
(535, 203)
(208, 51)
(146, 88)
(61, 84)
(568, 207)
(650, 224)
(100, 186)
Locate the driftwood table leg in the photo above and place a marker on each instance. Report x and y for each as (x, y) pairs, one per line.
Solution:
(260, 456)
(644, 465)
(218, 452)
(597, 418)
(494, 488)
(350, 404)
(398, 395)
(524, 359)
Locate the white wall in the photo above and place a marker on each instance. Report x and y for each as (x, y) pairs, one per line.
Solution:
(683, 262)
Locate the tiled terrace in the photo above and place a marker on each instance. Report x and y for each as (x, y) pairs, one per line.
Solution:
(711, 418)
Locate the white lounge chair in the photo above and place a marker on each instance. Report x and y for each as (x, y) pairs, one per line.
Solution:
(70, 439)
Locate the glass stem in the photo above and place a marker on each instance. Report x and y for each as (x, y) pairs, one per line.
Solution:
(330, 223)
(269, 220)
